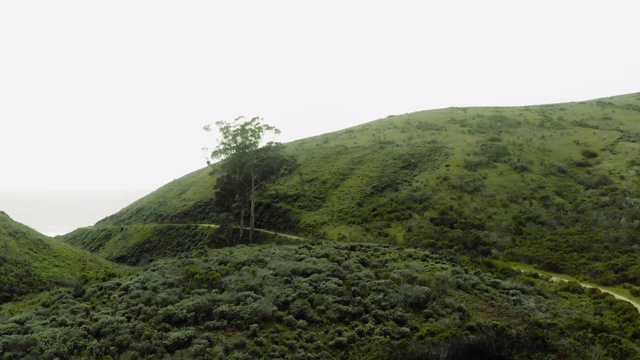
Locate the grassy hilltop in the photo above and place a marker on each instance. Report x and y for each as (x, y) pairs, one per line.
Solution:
(556, 186)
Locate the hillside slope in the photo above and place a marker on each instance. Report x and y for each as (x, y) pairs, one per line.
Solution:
(556, 186)
(31, 262)
(142, 244)
(185, 200)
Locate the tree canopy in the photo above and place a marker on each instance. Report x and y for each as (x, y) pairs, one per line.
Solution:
(240, 137)
(247, 162)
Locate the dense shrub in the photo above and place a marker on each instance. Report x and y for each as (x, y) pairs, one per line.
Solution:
(589, 154)
(593, 182)
(315, 302)
(467, 183)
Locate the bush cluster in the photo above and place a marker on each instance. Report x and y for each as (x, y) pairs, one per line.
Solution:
(312, 302)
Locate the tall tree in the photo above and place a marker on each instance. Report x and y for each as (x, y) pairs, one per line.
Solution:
(248, 161)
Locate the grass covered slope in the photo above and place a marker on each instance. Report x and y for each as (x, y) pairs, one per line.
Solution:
(31, 262)
(466, 169)
(142, 244)
(185, 200)
(556, 186)
(351, 301)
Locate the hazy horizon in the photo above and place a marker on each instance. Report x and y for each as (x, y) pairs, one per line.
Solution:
(59, 212)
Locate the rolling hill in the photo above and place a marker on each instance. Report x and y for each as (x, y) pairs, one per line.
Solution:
(408, 224)
(31, 262)
(556, 186)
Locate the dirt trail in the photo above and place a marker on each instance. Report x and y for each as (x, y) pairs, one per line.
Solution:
(617, 296)
(553, 278)
(292, 237)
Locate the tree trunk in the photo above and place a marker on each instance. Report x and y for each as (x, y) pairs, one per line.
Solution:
(241, 222)
(252, 223)
(241, 203)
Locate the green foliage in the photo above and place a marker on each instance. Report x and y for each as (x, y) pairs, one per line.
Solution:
(633, 137)
(467, 183)
(142, 244)
(239, 137)
(321, 301)
(589, 154)
(494, 153)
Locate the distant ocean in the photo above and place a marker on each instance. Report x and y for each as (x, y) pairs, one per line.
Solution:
(59, 212)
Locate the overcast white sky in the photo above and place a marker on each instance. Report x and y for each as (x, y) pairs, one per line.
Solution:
(114, 94)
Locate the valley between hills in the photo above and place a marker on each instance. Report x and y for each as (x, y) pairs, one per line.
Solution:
(427, 235)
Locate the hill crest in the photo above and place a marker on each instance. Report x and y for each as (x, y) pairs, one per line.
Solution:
(532, 184)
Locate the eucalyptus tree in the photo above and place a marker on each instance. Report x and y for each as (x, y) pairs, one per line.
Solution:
(247, 161)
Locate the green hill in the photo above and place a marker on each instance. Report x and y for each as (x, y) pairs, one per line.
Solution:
(403, 217)
(556, 186)
(31, 262)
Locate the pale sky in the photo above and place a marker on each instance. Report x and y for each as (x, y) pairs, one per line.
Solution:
(114, 94)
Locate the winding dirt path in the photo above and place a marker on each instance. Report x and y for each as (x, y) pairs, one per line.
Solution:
(291, 237)
(617, 296)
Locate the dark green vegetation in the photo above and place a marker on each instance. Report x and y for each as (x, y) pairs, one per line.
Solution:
(143, 244)
(30, 262)
(317, 301)
(406, 215)
(556, 186)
